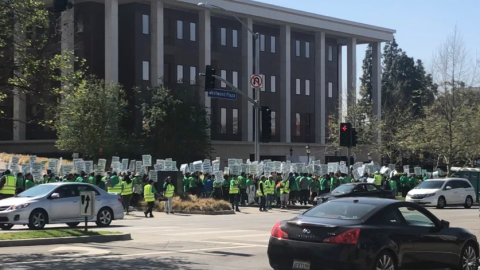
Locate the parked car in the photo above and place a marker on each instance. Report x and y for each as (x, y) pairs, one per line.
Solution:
(370, 233)
(58, 203)
(443, 192)
(354, 190)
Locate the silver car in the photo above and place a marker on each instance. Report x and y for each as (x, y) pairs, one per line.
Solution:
(58, 203)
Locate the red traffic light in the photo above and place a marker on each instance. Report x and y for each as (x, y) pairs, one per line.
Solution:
(344, 128)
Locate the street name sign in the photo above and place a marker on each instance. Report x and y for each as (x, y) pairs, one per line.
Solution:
(223, 94)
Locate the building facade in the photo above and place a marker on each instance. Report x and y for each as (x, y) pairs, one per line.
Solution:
(147, 43)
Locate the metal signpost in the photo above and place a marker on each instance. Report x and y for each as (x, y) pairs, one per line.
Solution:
(87, 205)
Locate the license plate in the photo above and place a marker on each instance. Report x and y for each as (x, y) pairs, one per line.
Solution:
(301, 265)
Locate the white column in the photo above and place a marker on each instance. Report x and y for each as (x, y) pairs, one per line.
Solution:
(377, 82)
(340, 82)
(157, 45)
(68, 39)
(285, 82)
(320, 87)
(19, 98)
(247, 70)
(351, 72)
(111, 40)
(205, 37)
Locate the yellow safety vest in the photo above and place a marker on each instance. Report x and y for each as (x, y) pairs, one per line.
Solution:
(127, 189)
(234, 187)
(169, 191)
(148, 193)
(10, 185)
(285, 188)
(115, 189)
(270, 187)
(378, 179)
(259, 190)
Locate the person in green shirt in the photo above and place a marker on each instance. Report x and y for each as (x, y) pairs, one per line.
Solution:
(20, 183)
(29, 183)
(225, 187)
(217, 189)
(91, 179)
(250, 189)
(412, 182)
(393, 186)
(314, 188)
(242, 184)
(234, 193)
(404, 184)
(185, 182)
(294, 189)
(100, 183)
(334, 183)
(192, 184)
(81, 178)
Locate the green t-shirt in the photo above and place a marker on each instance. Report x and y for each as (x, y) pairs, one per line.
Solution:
(315, 186)
(102, 185)
(403, 181)
(412, 182)
(393, 184)
(226, 183)
(80, 180)
(20, 182)
(296, 187)
(91, 180)
(249, 182)
(334, 182)
(192, 182)
(241, 182)
(29, 184)
(113, 181)
(310, 181)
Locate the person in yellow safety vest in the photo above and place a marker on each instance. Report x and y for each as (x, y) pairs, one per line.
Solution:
(284, 192)
(126, 192)
(234, 192)
(8, 185)
(262, 192)
(114, 184)
(378, 179)
(149, 192)
(168, 191)
(269, 191)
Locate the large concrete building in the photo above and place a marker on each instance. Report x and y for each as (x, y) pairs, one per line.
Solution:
(147, 43)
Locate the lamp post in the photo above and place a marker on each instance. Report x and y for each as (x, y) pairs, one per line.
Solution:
(256, 70)
(307, 148)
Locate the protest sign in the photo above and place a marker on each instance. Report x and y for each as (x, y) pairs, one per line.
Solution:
(226, 170)
(88, 166)
(32, 159)
(138, 167)
(391, 167)
(67, 169)
(115, 159)
(219, 177)
(124, 164)
(206, 167)
(168, 165)
(183, 168)
(197, 166)
(152, 175)
(99, 170)
(417, 171)
(147, 160)
(324, 169)
(231, 161)
(131, 167)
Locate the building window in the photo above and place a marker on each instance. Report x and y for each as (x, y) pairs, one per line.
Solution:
(297, 125)
(166, 76)
(272, 131)
(330, 89)
(235, 78)
(297, 47)
(235, 38)
(223, 36)
(272, 84)
(145, 70)
(223, 120)
(179, 74)
(307, 49)
(193, 75)
(262, 43)
(297, 86)
(330, 53)
(307, 87)
(272, 44)
(235, 121)
(179, 29)
(145, 24)
(223, 74)
(193, 32)
(166, 28)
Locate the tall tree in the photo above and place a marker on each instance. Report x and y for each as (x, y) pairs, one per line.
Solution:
(365, 102)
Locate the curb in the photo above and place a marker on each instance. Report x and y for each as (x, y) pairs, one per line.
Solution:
(212, 213)
(290, 207)
(65, 240)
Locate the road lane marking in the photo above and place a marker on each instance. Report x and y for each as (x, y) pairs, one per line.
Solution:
(212, 232)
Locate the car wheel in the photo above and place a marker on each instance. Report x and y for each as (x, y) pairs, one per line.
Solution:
(104, 217)
(37, 220)
(73, 224)
(468, 202)
(6, 226)
(385, 261)
(468, 260)
(441, 202)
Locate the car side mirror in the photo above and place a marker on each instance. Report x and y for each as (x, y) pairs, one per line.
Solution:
(448, 188)
(54, 196)
(444, 224)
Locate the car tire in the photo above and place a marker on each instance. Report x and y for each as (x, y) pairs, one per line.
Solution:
(37, 220)
(441, 203)
(468, 202)
(468, 258)
(104, 217)
(73, 224)
(6, 226)
(385, 261)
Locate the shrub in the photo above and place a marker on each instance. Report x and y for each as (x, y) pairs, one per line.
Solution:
(193, 203)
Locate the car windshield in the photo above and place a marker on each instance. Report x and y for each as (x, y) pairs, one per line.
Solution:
(430, 185)
(340, 210)
(343, 189)
(37, 191)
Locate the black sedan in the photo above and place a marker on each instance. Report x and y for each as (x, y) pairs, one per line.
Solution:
(354, 190)
(370, 233)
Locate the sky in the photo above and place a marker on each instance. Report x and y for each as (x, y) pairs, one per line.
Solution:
(421, 25)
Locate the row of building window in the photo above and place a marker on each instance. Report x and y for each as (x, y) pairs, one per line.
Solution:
(223, 122)
(298, 88)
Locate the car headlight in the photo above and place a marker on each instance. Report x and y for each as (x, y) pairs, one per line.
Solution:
(17, 207)
(429, 195)
(408, 195)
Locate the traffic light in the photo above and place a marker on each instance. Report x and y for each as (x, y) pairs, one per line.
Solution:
(345, 134)
(209, 79)
(62, 5)
(266, 124)
(354, 137)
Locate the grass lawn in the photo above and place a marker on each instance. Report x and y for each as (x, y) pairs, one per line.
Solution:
(50, 234)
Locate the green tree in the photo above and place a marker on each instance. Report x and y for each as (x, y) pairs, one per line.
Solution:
(89, 118)
(175, 125)
(365, 102)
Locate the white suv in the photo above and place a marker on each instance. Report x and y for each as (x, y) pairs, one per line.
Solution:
(443, 192)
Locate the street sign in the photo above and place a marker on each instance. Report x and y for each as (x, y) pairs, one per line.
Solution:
(87, 203)
(257, 81)
(223, 94)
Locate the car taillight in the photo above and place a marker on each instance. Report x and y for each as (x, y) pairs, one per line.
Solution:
(349, 237)
(278, 233)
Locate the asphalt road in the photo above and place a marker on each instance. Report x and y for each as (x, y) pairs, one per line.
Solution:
(181, 242)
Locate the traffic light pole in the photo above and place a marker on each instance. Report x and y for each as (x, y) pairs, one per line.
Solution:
(257, 96)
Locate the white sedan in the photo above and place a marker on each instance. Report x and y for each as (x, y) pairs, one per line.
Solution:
(58, 203)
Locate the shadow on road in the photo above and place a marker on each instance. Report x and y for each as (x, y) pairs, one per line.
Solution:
(41, 261)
